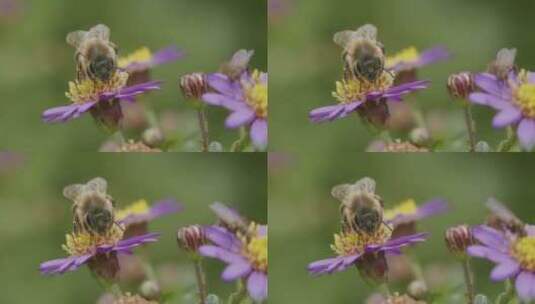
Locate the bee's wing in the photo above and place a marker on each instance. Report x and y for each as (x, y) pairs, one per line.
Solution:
(365, 184)
(339, 192)
(506, 57)
(343, 38)
(75, 38)
(500, 210)
(71, 192)
(367, 31)
(100, 31)
(241, 58)
(97, 184)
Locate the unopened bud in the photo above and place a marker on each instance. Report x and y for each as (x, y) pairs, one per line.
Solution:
(193, 85)
(483, 146)
(420, 136)
(212, 299)
(417, 289)
(461, 85)
(150, 290)
(215, 146)
(190, 238)
(458, 238)
(153, 137)
(481, 299)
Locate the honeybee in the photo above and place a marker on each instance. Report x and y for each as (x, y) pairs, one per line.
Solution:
(229, 218)
(238, 64)
(504, 63)
(363, 55)
(503, 219)
(92, 208)
(96, 55)
(361, 209)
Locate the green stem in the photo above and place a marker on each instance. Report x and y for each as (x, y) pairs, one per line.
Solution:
(239, 295)
(201, 279)
(385, 289)
(203, 126)
(108, 286)
(509, 142)
(470, 127)
(468, 280)
(239, 144)
(508, 296)
(151, 116)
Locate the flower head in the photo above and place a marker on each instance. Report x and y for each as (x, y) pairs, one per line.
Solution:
(408, 212)
(514, 100)
(352, 246)
(411, 59)
(140, 212)
(89, 94)
(245, 253)
(143, 59)
(190, 238)
(354, 94)
(458, 238)
(246, 98)
(461, 85)
(514, 257)
(85, 248)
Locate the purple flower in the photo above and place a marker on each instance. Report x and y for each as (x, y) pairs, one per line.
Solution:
(87, 94)
(142, 59)
(140, 212)
(350, 247)
(354, 94)
(514, 257)
(410, 59)
(81, 255)
(514, 100)
(246, 98)
(246, 256)
(408, 212)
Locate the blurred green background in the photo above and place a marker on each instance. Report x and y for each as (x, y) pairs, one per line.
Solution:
(303, 215)
(37, 63)
(35, 217)
(305, 63)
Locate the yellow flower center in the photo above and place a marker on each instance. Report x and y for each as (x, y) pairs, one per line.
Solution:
(353, 89)
(138, 207)
(256, 95)
(140, 55)
(524, 252)
(406, 207)
(524, 95)
(348, 243)
(256, 248)
(77, 244)
(90, 90)
(409, 54)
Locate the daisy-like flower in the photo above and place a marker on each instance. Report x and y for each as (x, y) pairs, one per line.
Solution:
(101, 98)
(408, 212)
(514, 100)
(136, 216)
(246, 98)
(143, 59)
(98, 251)
(246, 255)
(411, 59)
(355, 94)
(352, 247)
(514, 257)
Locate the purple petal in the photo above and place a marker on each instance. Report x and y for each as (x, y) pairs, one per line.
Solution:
(240, 118)
(259, 133)
(433, 55)
(525, 286)
(257, 286)
(489, 84)
(221, 254)
(168, 54)
(432, 207)
(504, 270)
(236, 270)
(222, 238)
(321, 114)
(487, 253)
(321, 265)
(506, 117)
(164, 207)
(222, 84)
(491, 238)
(485, 99)
(526, 134)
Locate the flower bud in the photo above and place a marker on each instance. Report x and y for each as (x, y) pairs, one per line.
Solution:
(417, 289)
(461, 85)
(458, 238)
(190, 238)
(193, 85)
(215, 146)
(481, 299)
(420, 136)
(483, 146)
(153, 137)
(150, 290)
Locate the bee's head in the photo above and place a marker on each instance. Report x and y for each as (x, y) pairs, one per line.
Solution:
(102, 67)
(367, 219)
(369, 67)
(99, 219)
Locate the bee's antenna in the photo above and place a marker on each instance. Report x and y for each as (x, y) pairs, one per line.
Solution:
(388, 226)
(120, 227)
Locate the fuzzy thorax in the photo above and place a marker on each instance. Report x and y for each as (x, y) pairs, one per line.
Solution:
(138, 207)
(406, 207)
(523, 250)
(409, 54)
(355, 89)
(256, 94)
(140, 55)
(348, 243)
(255, 248)
(524, 95)
(81, 91)
(81, 243)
